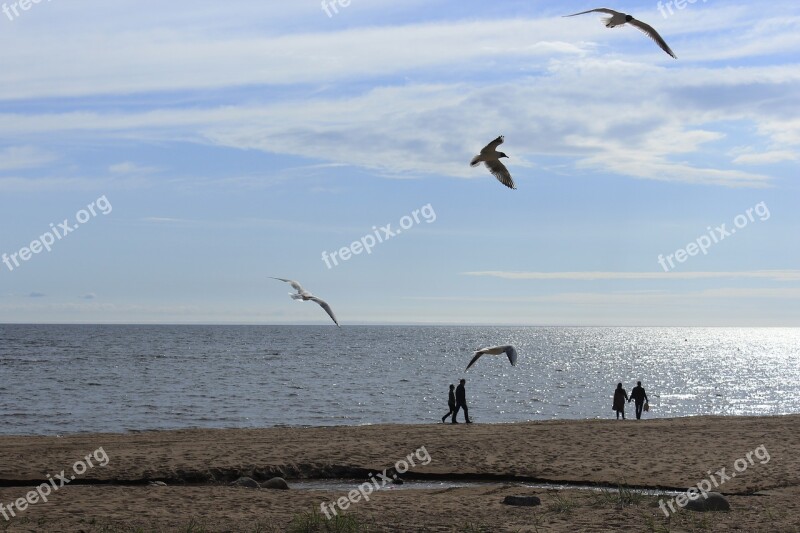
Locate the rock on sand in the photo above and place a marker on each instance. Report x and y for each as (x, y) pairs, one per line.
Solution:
(246, 482)
(714, 501)
(276, 483)
(525, 501)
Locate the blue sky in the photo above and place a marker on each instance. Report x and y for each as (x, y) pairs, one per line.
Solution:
(240, 140)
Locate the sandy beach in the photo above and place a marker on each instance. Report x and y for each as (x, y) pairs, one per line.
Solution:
(197, 465)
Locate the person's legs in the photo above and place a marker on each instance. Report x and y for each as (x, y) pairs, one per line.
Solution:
(639, 407)
(455, 412)
(466, 414)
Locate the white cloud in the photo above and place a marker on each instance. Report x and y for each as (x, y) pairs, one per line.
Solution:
(165, 220)
(18, 184)
(20, 157)
(774, 275)
(766, 158)
(50, 184)
(130, 168)
(233, 47)
(629, 112)
(625, 298)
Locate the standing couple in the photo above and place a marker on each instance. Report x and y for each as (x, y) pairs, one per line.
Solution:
(456, 401)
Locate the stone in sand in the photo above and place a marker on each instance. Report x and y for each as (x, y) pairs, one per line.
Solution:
(276, 483)
(525, 501)
(157, 484)
(713, 502)
(246, 482)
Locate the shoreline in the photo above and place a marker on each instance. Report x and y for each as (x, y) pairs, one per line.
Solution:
(382, 424)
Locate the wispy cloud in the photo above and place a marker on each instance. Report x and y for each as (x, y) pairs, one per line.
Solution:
(67, 183)
(128, 167)
(678, 116)
(774, 275)
(167, 220)
(19, 184)
(767, 158)
(615, 298)
(20, 157)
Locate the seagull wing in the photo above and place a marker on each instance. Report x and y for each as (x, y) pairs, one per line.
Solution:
(494, 350)
(500, 172)
(511, 352)
(598, 10)
(492, 146)
(477, 356)
(322, 303)
(296, 286)
(653, 34)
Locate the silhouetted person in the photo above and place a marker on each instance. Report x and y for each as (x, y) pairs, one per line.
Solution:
(451, 403)
(639, 396)
(461, 401)
(620, 397)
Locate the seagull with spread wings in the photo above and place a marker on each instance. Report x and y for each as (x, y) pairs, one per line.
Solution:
(507, 349)
(490, 157)
(620, 19)
(305, 296)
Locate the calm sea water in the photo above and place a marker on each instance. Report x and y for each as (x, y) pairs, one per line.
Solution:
(69, 379)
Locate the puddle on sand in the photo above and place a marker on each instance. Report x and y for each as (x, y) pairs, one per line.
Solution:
(345, 485)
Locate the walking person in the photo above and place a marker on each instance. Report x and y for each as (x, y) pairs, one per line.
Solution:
(461, 401)
(639, 397)
(620, 397)
(451, 403)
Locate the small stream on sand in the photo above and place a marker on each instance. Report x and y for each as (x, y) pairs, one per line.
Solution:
(344, 485)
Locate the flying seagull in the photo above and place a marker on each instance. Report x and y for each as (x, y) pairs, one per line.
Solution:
(491, 158)
(620, 19)
(507, 349)
(305, 296)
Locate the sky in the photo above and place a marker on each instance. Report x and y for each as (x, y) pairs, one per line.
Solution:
(159, 161)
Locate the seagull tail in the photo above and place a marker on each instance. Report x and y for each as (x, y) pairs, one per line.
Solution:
(295, 296)
(475, 161)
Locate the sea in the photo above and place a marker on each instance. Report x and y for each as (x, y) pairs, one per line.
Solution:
(67, 379)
